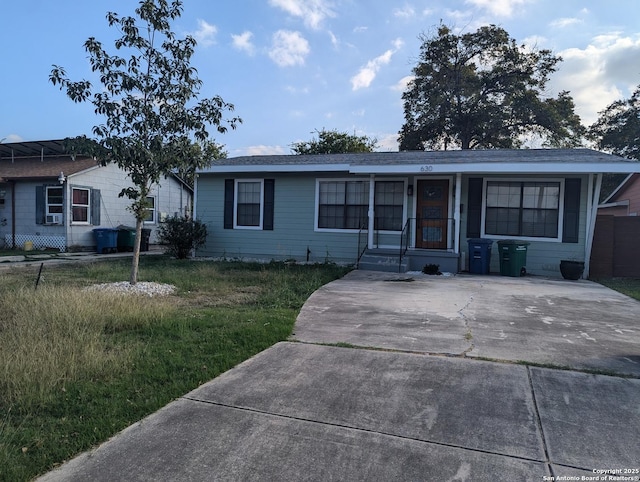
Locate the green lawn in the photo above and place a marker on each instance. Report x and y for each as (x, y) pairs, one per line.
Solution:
(77, 367)
(628, 286)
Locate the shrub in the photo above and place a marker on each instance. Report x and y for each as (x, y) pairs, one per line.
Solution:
(181, 235)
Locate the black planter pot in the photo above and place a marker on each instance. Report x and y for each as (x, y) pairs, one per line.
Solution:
(571, 269)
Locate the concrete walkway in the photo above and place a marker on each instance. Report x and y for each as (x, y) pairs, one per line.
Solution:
(418, 404)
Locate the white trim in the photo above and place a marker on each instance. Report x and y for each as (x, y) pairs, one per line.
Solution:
(317, 203)
(617, 204)
(414, 228)
(88, 206)
(515, 167)
(457, 198)
(276, 168)
(498, 168)
(557, 239)
(154, 210)
(235, 204)
(592, 214)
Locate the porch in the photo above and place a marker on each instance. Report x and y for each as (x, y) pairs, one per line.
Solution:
(421, 242)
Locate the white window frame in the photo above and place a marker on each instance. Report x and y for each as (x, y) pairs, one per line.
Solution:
(317, 203)
(405, 182)
(88, 206)
(153, 210)
(557, 239)
(235, 203)
(61, 205)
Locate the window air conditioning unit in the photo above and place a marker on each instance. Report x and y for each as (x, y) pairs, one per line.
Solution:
(54, 219)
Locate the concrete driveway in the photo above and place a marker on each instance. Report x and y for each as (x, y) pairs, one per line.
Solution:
(400, 410)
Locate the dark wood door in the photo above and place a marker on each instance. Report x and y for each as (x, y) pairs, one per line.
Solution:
(432, 214)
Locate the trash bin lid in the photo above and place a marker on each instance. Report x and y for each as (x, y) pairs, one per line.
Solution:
(480, 241)
(510, 242)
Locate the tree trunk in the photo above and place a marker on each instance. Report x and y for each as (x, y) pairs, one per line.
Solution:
(133, 278)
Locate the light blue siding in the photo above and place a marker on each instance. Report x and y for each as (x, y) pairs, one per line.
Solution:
(293, 235)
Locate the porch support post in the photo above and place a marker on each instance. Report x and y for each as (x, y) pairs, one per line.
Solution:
(371, 227)
(592, 213)
(456, 213)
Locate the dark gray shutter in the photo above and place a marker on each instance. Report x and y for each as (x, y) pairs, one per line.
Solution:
(474, 207)
(571, 220)
(269, 191)
(41, 203)
(228, 203)
(96, 200)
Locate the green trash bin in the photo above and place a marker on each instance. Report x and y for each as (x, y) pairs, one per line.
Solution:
(513, 257)
(126, 238)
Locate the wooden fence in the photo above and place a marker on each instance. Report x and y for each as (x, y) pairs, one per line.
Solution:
(616, 248)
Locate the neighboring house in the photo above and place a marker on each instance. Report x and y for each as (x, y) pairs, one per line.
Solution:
(55, 200)
(332, 207)
(625, 200)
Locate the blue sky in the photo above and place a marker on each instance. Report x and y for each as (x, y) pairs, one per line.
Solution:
(293, 66)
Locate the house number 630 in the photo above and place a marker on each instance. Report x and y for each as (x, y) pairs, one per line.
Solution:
(426, 168)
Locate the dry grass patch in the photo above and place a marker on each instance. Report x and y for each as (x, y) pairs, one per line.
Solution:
(57, 335)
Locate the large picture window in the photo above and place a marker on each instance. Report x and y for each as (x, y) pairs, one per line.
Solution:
(343, 204)
(389, 205)
(522, 208)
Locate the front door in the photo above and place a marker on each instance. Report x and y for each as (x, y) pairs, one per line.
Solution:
(432, 214)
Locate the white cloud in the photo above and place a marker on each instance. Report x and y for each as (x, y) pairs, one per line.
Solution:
(604, 71)
(243, 42)
(360, 29)
(499, 8)
(311, 12)
(406, 12)
(334, 40)
(402, 84)
(206, 33)
(387, 142)
(564, 22)
(368, 73)
(11, 138)
(289, 48)
(263, 150)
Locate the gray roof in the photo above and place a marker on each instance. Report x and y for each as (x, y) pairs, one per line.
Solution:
(511, 160)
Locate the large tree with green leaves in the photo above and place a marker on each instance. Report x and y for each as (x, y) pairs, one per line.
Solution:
(617, 129)
(155, 122)
(482, 90)
(335, 142)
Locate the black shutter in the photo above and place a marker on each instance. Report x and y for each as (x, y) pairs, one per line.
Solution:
(571, 218)
(41, 193)
(474, 207)
(269, 191)
(96, 200)
(228, 203)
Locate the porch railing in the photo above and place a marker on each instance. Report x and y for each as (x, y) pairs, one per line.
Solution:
(431, 233)
(404, 242)
(362, 245)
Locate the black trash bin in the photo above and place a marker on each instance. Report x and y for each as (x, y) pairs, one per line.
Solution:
(144, 241)
(479, 255)
(513, 257)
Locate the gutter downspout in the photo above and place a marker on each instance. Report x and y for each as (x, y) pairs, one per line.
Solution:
(591, 220)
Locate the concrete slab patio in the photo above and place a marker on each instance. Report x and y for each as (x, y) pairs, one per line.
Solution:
(576, 324)
(419, 404)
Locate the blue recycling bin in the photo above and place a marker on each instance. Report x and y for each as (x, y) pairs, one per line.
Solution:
(106, 240)
(479, 255)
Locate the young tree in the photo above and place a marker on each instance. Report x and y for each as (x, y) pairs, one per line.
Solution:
(334, 142)
(154, 122)
(481, 90)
